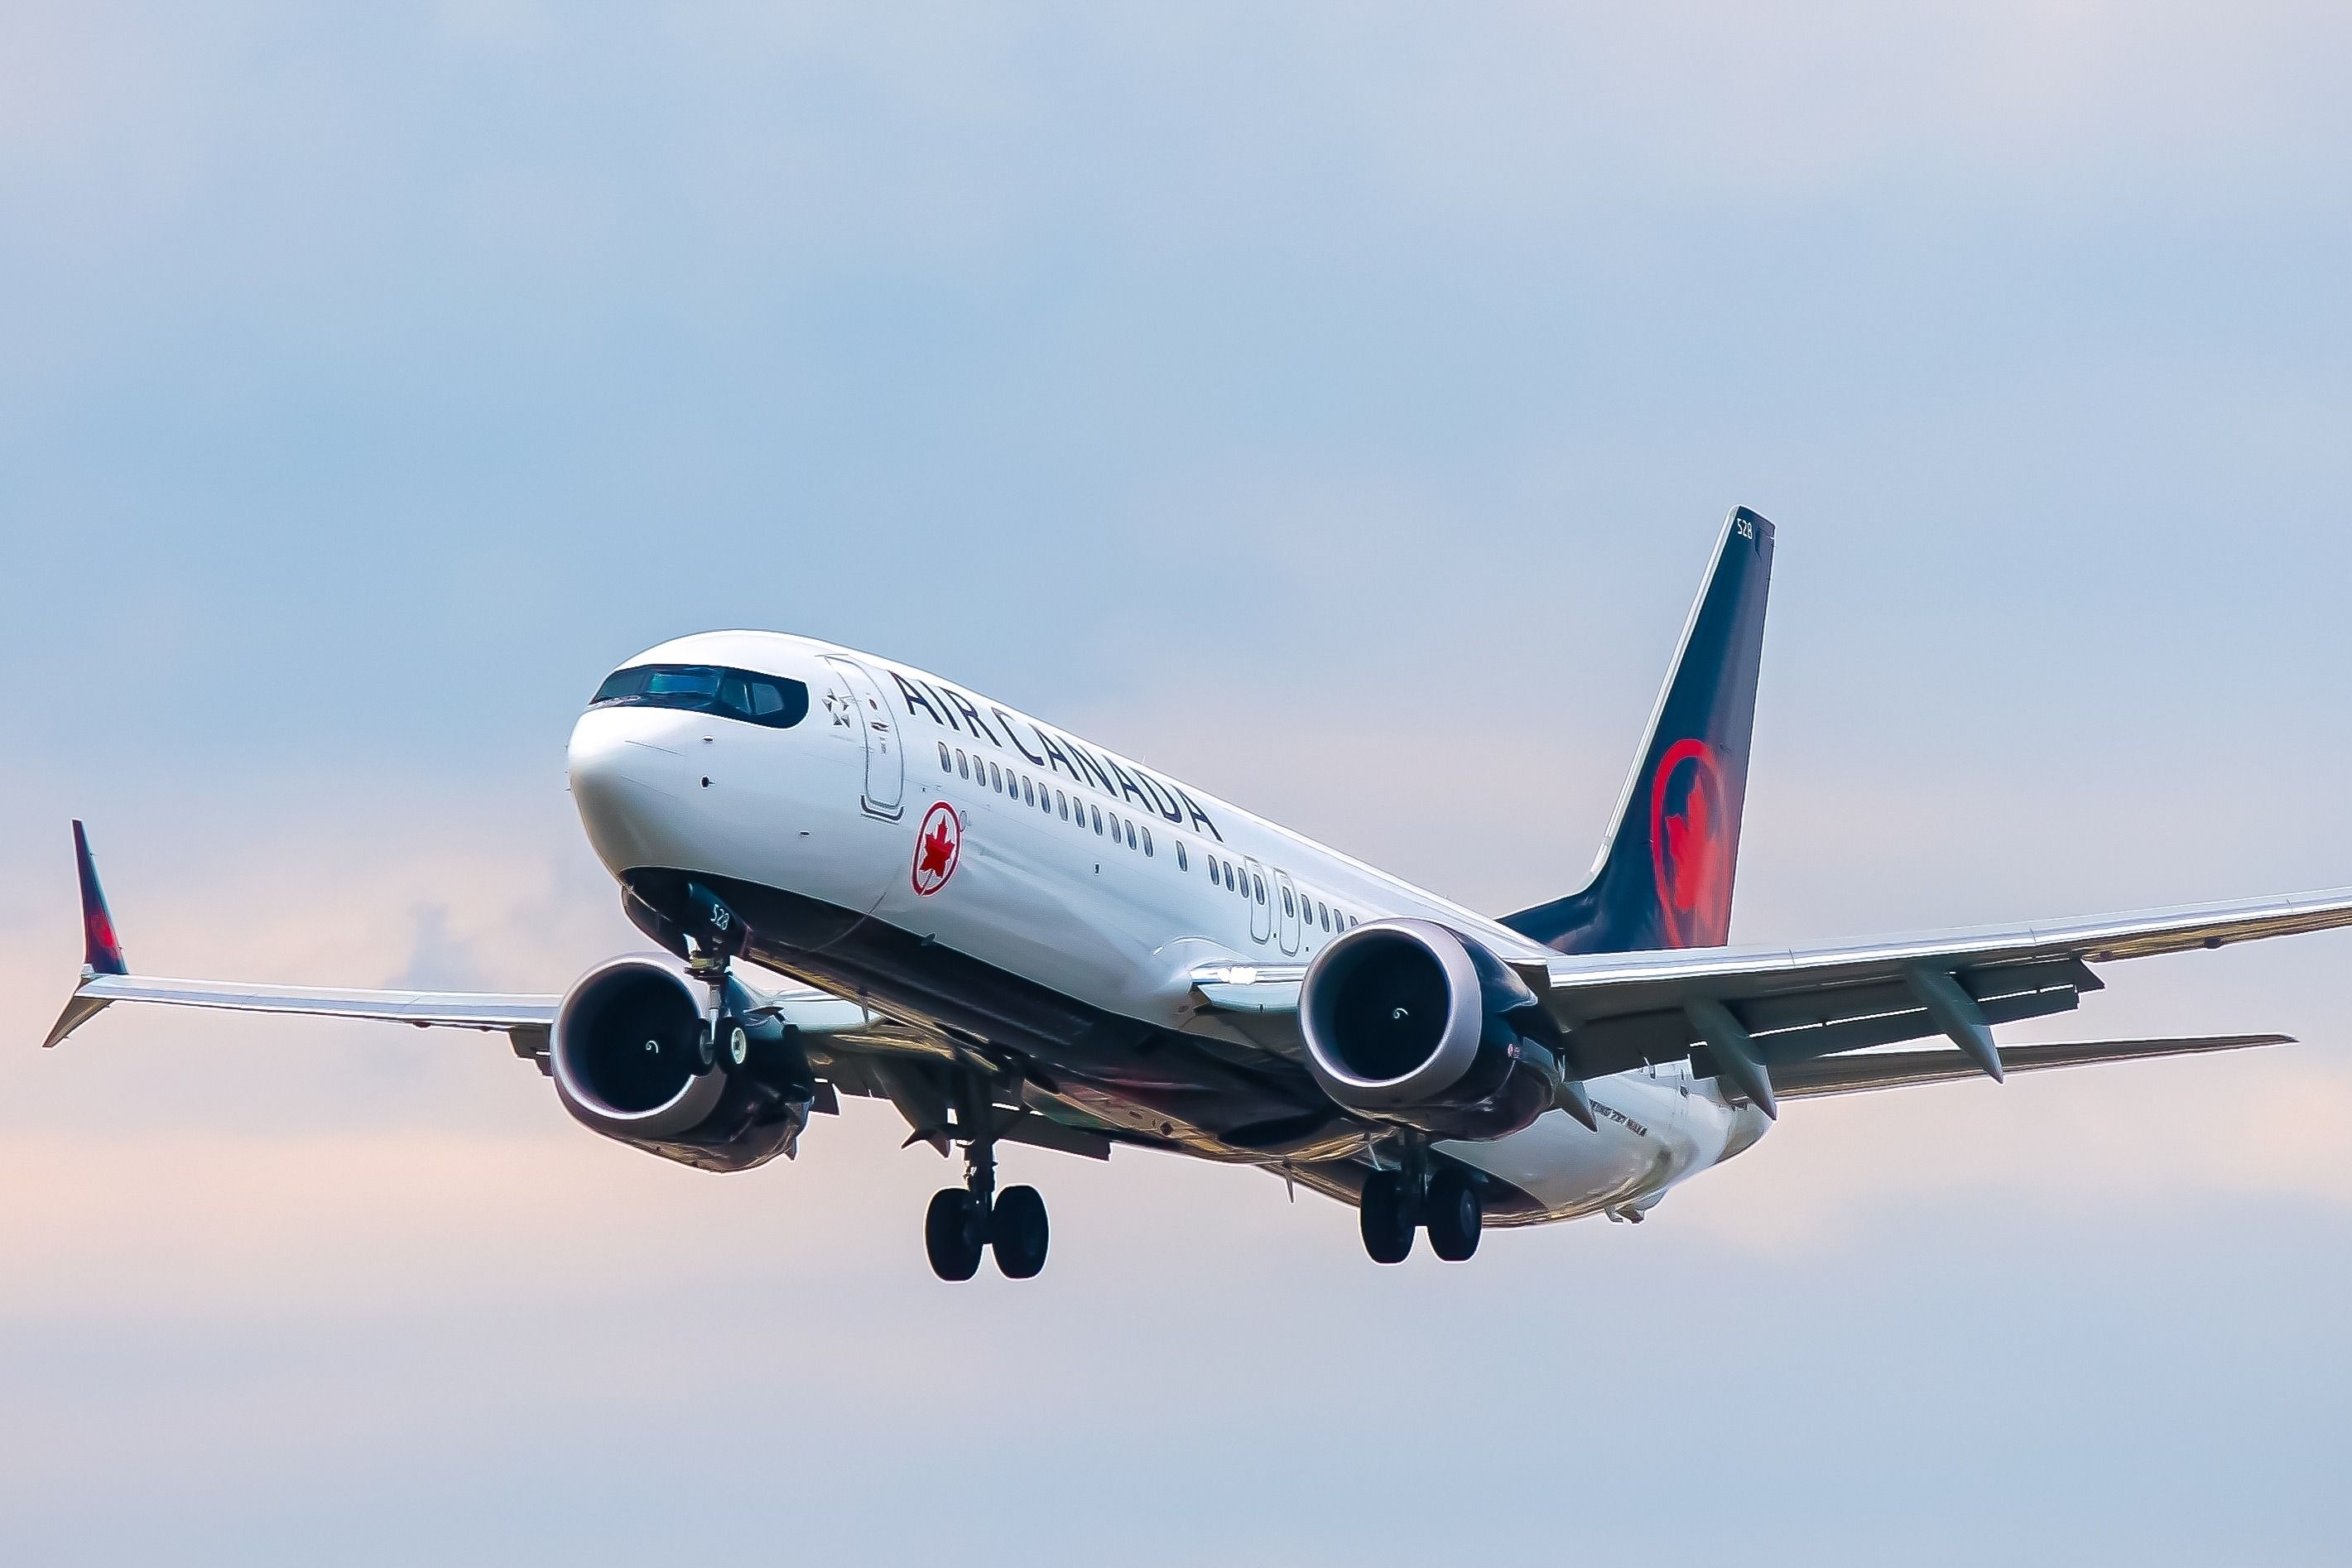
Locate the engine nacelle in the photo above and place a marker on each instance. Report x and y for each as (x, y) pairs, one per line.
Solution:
(1409, 1022)
(625, 1053)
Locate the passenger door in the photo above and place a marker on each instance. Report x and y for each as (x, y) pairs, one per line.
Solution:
(1261, 901)
(885, 770)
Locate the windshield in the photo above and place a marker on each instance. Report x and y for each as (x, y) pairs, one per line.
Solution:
(771, 700)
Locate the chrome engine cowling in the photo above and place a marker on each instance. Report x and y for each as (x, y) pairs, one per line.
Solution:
(627, 1055)
(1410, 1022)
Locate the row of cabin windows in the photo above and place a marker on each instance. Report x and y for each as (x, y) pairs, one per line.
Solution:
(1251, 885)
(1053, 802)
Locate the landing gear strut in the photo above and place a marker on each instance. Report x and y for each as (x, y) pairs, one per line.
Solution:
(1396, 1203)
(721, 937)
(963, 1221)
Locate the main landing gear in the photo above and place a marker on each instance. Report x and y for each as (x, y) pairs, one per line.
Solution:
(964, 1222)
(1397, 1202)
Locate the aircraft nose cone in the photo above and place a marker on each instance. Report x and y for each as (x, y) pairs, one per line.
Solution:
(626, 785)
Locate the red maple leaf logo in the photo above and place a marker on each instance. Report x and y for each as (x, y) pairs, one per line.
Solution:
(1691, 869)
(936, 847)
(1687, 849)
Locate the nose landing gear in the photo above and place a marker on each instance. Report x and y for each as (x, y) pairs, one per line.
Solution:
(721, 937)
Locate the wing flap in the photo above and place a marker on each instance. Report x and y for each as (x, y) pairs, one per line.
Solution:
(1897, 1070)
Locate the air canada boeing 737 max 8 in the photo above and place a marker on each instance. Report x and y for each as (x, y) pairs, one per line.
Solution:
(1010, 933)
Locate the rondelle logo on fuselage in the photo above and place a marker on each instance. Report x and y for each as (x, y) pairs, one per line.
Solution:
(936, 848)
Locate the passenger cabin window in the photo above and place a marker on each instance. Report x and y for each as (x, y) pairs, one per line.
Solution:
(773, 701)
(1259, 883)
(1096, 811)
(1147, 841)
(1062, 804)
(1183, 861)
(1323, 913)
(1287, 907)
(1028, 792)
(962, 763)
(1131, 833)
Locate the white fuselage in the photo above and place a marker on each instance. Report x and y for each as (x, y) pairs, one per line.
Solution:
(1050, 879)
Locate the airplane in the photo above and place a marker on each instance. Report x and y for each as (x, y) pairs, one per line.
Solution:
(1012, 934)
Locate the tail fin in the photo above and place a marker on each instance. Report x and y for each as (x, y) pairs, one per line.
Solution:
(1664, 875)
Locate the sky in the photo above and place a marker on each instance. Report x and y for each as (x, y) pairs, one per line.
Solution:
(1333, 405)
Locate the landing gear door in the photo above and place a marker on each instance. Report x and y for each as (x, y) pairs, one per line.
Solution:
(885, 770)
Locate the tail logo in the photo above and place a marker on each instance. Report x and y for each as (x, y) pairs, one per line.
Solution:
(937, 847)
(1690, 850)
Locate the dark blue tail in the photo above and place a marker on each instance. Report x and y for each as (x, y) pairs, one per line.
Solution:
(1665, 876)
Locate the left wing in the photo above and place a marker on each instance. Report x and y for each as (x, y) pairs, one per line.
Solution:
(1746, 1015)
(1762, 1017)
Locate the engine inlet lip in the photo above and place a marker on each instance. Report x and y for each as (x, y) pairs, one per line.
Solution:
(682, 1111)
(1458, 1041)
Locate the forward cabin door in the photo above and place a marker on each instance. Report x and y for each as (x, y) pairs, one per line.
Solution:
(1261, 901)
(886, 768)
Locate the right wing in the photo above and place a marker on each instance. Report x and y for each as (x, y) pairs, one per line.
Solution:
(526, 1017)
(850, 1047)
(426, 1009)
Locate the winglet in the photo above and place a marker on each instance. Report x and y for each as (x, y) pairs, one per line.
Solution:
(102, 951)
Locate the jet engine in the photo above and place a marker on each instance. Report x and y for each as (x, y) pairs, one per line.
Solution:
(1407, 1021)
(626, 1054)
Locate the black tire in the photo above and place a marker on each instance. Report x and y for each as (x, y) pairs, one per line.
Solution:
(951, 1234)
(1017, 1231)
(1454, 1217)
(1386, 1218)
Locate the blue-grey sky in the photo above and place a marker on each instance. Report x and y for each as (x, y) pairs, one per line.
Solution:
(1333, 404)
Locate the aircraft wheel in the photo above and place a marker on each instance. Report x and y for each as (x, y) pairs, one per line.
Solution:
(1386, 1217)
(1017, 1231)
(1455, 1215)
(952, 1234)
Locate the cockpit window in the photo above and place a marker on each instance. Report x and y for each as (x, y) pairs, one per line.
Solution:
(770, 700)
